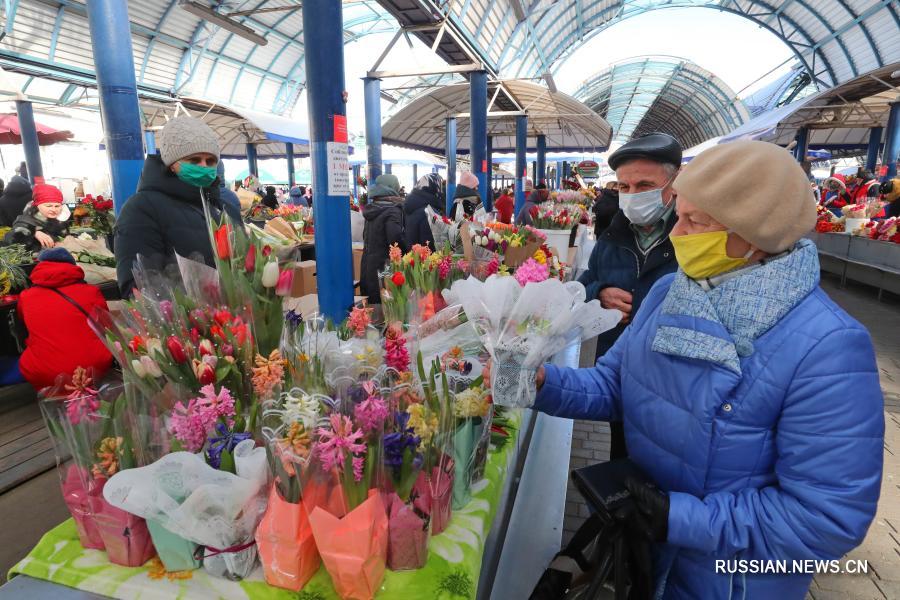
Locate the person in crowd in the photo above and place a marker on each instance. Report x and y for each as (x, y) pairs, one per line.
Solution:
(634, 250)
(2, 187)
(890, 193)
(309, 196)
(403, 191)
(538, 196)
(428, 192)
(16, 196)
(732, 381)
(270, 199)
(466, 199)
(43, 222)
(298, 196)
(862, 186)
(165, 216)
(605, 208)
(55, 310)
(230, 202)
(504, 205)
(21, 175)
(383, 228)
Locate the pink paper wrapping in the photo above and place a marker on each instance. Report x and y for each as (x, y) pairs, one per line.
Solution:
(407, 535)
(353, 548)
(78, 501)
(437, 494)
(286, 545)
(125, 535)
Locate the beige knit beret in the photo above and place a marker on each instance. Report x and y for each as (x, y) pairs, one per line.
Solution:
(756, 189)
(184, 136)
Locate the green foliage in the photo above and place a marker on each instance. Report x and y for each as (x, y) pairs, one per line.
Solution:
(457, 584)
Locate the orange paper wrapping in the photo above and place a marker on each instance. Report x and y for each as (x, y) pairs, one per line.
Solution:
(430, 304)
(353, 548)
(286, 545)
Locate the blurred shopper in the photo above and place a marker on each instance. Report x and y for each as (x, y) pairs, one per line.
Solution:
(230, 201)
(428, 192)
(605, 208)
(270, 199)
(43, 222)
(504, 205)
(466, 199)
(749, 398)
(55, 311)
(538, 196)
(383, 228)
(297, 196)
(165, 216)
(16, 195)
(634, 251)
(890, 191)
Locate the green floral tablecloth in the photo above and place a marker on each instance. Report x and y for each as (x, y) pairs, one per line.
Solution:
(452, 570)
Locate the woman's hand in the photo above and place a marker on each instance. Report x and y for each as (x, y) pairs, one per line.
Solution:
(486, 374)
(45, 240)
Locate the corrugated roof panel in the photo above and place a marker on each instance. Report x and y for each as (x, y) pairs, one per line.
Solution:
(147, 14)
(180, 23)
(245, 91)
(163, 64)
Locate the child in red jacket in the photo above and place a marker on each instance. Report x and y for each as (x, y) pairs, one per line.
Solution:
(55, 311)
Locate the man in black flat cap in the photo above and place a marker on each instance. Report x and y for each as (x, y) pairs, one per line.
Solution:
(635, 250)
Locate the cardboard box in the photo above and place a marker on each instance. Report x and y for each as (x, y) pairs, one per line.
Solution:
(357, 263)
(304, 279)
(309, 304)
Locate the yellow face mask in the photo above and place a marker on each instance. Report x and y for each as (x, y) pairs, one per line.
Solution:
(702, 255)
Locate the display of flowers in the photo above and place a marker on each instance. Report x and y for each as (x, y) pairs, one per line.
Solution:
(556, 215)
(421, 273)
(95, 213)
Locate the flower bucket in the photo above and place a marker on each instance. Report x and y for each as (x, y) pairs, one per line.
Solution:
(175, 552)
(78, 501)
(286, 545)
(436, 491)
(558, 241)
(353, 548)
(407, 533)
(125, 535)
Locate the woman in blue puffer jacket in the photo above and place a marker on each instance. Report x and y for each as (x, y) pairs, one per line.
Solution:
(747, 395)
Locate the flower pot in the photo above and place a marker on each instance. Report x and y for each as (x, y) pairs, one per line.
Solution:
(286, 545)
(558, 241)
(78, 501)
(436, 492)
(465, 443)
(407, 535)
(125, 536)
(175, 552)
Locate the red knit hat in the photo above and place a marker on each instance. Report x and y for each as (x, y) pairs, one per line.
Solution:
(43, 193)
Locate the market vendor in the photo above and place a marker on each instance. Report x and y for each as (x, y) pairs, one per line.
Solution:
(749, 398)
(465, 198)
(384, 227)
(165, 215)
(43, 222)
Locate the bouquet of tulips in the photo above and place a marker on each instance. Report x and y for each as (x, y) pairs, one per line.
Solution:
(422, 272)
(250, 275)
(446, 232)
(89, 425)
(499, 244)
(556, 215)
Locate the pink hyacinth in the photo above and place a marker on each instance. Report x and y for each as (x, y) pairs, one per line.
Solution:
(396, 356)
(192, 424)
(359, 319)
(531, 271)
(492, 267)
(338, 442)
(371, 413)
(444, 267)
(83, 404)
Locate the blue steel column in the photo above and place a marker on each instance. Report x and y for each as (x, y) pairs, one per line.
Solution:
(802, 144)
(489, 157)
(559, 168)
(451, 162)
(372, 97)
(150, 142)
(323, 39)
(114, 62)
(252, 162)
(356, 182)
(892, 142)
(388, 168)
(415, 175)
(541, 175)
(30, 143)
(289, 153)
(521, 164)
(478, 131)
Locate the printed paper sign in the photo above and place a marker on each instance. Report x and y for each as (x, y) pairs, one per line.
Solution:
(338, 169)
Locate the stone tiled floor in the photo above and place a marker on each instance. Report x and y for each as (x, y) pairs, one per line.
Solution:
(590, 444)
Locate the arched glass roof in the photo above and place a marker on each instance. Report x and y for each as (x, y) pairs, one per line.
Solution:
(835, 40)
(179, 54)
(663, 93)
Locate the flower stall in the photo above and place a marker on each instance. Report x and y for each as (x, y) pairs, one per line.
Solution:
(246, 450)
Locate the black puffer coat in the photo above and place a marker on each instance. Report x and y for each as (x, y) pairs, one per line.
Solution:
(163, 217)
(468, 198)
(605, 208)
(384, 227)
(417, 228)
(16, 196)
(28, 223)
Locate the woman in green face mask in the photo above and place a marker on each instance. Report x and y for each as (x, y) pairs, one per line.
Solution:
(165, 216)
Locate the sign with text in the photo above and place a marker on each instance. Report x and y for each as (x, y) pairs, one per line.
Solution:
(338, 169)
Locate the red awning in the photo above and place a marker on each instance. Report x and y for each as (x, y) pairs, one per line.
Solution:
(11, 134)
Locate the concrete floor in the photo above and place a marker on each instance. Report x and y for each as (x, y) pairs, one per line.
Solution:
(590, 444)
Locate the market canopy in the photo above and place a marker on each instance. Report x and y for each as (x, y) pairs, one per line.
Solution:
(10, 133)
(235, 127)
(666, 94)
(839, 119)
(392, 155)
(567, 124)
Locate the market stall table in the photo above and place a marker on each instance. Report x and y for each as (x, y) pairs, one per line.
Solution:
(861, 259)
(514, 521)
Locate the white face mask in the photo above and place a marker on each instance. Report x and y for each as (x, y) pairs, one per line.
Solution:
(644, 208)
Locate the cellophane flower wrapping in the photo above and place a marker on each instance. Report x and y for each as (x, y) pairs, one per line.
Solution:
(88, 425)
(210, 507)
(472, 413)
(522, 327)
(444, 231)
(284, 537)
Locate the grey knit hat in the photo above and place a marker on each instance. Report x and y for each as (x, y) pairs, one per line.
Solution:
(184, 136)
